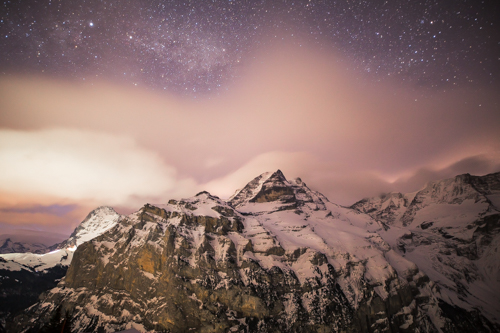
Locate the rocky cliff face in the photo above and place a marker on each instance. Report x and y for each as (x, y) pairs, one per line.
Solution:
(277, 257)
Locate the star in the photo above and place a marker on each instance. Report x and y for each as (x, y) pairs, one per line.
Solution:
(197, 48)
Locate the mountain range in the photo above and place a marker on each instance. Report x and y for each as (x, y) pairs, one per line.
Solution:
(280, 257)
(25, 240)
(12, 246)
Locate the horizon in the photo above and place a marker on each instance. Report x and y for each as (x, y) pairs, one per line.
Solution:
(47, 237)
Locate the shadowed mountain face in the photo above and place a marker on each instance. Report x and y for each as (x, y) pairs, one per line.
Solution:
(279, 257)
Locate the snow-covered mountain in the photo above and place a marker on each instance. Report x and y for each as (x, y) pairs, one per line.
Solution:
(279, 257)
(450, 229)
(96, 223)
(26, 240)
(23, 276)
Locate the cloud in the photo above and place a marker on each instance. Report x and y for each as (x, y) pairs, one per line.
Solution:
(212, 162)
(29, 215)
(289, 98)
(81, 165)
(477, 165)
(57, 210)
(340, 183)
(33, 236)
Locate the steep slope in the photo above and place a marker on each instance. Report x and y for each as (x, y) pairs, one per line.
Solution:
(278, 257)
(451, 231)
(24, 276)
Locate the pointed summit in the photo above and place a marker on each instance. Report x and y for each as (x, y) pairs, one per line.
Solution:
(250, 190)
(265, 188)
(278, 175)
(274, 187)
(96, 223)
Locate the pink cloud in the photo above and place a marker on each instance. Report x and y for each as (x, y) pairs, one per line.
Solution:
(297, 109)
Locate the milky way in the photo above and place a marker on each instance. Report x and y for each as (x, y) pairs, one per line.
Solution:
(196, 47)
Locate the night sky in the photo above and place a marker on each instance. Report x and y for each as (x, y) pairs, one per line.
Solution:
(127, 102)
(196, 47)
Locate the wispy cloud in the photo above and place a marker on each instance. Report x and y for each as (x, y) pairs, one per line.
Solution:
(57, 210)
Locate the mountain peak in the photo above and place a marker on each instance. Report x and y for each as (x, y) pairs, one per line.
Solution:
(274, 187)
(97, 222)
(266, 187)
(278, 175)
(107, 209)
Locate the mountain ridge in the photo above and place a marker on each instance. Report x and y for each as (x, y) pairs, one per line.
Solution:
(12, 246)
(278, 256)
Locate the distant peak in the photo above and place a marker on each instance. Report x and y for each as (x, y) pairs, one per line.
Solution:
(463, 176)
(206, 194)
(265, 188)
(101, 210)
(278, 174)
(108, 208)
(254, 187)
(203, 193)
(263, 177)
(96, 223)
(298, 182)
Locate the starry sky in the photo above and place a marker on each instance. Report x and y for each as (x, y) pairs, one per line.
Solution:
(123, 103)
